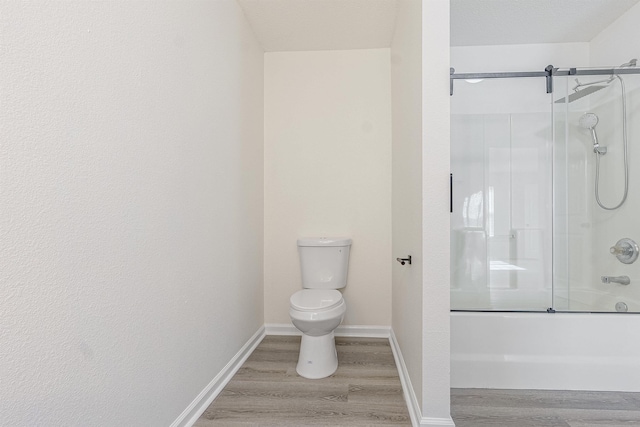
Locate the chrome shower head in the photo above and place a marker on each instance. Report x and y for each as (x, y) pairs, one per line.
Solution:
(588, 121)
(580, 94)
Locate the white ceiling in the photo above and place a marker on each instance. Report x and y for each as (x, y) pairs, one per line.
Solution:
(283, 25)
(491, 22)
(294, 25)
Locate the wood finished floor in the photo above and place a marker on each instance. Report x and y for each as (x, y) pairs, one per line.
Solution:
(544, 408)
(267, 391)
(366, 391)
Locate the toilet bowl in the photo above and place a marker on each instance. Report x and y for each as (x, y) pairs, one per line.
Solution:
(318, 309)
(317, 313)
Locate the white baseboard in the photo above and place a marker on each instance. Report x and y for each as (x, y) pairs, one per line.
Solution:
(280, 329)
(417, 420)
(363, 331)
(437, 422)
(409, 395)
(190, 415)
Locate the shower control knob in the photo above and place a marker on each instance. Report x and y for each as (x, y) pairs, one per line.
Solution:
(626, 250)
(620, 250)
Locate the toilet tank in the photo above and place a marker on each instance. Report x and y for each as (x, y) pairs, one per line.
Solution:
(324, 262)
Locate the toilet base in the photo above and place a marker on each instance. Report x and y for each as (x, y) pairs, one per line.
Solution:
(318, 357)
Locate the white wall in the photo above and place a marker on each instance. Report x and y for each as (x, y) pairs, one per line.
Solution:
(406, 73)
(328, 173)
(420, 76)
(131, 207)
(619, 42)
(522, 57)
(435, 211)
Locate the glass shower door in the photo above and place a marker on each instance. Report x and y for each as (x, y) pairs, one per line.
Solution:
(501, 224)
(587, 276)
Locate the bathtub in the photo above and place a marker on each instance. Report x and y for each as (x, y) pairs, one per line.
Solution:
(556, 351)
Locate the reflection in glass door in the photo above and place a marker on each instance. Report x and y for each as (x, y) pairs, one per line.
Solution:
(501, 224)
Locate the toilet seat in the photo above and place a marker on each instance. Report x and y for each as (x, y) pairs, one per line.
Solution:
(315, 299)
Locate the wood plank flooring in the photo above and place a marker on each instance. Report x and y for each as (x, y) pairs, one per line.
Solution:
(267, 391)
(544, 408)
(366, 391)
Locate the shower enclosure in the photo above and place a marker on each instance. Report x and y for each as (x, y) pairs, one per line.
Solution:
(546, 190)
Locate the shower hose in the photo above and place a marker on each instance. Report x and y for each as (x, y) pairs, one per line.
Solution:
(626, 161)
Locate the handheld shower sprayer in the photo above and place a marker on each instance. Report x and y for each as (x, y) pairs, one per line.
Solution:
(589, 121)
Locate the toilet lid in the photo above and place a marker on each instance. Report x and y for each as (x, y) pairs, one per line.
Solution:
(315, 299)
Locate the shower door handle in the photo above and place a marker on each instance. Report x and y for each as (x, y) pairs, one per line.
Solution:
(450, 193)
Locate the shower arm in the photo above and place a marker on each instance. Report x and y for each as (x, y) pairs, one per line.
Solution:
(632, 63)
(579, 85)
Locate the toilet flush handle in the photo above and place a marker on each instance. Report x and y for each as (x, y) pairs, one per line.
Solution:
(403, 261)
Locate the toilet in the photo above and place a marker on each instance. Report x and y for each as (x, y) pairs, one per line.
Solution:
(318, 309)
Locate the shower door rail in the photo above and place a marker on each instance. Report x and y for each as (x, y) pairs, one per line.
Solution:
(549, 72)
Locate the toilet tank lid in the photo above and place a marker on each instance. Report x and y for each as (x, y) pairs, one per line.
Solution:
(324, 241)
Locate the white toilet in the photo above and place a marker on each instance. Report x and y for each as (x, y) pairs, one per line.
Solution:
(318, 309)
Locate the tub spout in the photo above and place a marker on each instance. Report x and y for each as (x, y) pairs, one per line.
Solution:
(623, 280)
